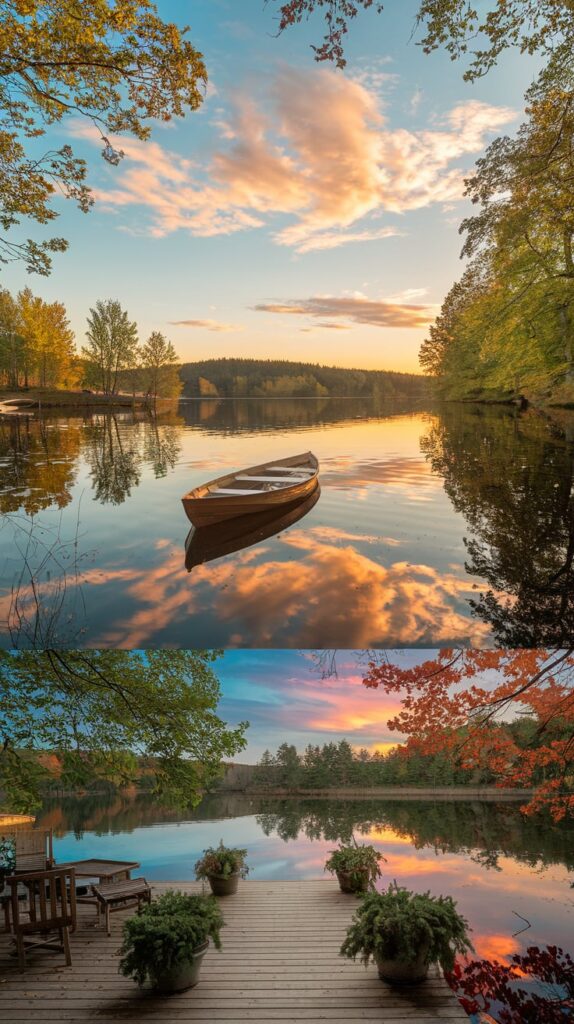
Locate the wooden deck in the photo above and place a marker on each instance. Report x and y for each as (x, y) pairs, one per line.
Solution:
(279, 962)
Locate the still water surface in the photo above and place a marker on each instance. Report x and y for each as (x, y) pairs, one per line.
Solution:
(450, 525)
(494, 862)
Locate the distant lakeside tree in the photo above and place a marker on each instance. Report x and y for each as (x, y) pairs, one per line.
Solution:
(36, 342)
(282, 378)
(114, 64)
(160, 369)
(101, 710)
(339, 766)
(112, 344)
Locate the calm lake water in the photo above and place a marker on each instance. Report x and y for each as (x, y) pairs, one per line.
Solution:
(452, 525)
(494, 862)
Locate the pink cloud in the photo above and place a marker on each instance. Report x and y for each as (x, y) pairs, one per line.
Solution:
(359, 309)
(317, 149)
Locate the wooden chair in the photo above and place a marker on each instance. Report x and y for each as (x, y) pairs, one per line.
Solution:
(33, 849)
(50, 907)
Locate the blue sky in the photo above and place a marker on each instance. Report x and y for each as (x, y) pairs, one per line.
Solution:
(302, 211)
(283, 697)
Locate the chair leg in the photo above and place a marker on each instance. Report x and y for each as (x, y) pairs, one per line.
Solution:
(66, 944)
(21, 951)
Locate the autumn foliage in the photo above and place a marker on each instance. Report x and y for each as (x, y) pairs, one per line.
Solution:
(536, 987)
(510, 711)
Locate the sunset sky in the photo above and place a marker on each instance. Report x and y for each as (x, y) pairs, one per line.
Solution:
(302, 211)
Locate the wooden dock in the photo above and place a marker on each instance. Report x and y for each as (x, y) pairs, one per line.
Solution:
(279, 962)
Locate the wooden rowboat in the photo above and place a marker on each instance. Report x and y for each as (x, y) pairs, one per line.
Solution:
(205, 543)
(259, 488)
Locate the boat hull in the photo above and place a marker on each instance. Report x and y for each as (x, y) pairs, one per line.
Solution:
(204, 508)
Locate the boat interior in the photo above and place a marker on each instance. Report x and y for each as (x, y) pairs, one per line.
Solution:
(272, 478)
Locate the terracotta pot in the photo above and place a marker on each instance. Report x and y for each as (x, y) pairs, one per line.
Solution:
(185, 975)
(224, 885)
(356, 881)
(404, 972)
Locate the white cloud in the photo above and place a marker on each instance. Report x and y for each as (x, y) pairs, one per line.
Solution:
(317, 150)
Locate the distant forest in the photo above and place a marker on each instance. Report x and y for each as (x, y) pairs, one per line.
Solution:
(281, 378)
(339, 765)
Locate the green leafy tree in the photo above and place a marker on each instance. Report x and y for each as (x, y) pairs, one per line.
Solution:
(98, 708)
(112, 344)
(114, 63)
(159, 366)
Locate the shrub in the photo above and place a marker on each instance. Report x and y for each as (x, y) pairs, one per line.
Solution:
(399, 925)
(356, 861)
(166, 933)
(221, 861)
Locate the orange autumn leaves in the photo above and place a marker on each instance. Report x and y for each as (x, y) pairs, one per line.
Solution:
(511, 712)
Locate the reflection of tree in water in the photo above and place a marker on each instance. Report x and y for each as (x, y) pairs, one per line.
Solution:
(38, 458)
(249, 415)
(484, 831)
(117, 448)
(113, 458)
(511, 475)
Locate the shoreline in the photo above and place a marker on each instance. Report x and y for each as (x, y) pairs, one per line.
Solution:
(36, 400)
(396, 793)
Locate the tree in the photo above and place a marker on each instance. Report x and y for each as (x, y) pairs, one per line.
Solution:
(160, 372)
(545, 26)
(98, 708)
(449, 707)
(112, 343)
(48, 350)
(113, 63)
(11, 342)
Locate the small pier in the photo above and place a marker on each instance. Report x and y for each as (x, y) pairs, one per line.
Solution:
(279, 962)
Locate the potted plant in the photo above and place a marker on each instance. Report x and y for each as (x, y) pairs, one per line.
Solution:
(223, 866)
(7, 859)
(356, 867)
(164, 943)
(404, 932)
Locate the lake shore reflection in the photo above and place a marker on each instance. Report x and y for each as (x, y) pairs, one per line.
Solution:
(447, 525)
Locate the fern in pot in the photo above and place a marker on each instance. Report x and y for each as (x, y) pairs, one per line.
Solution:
(404, 932)
(165, 942)
(356, 867)
(223, 866)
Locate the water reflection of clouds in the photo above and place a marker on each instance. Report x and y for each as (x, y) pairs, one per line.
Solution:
(331, 595)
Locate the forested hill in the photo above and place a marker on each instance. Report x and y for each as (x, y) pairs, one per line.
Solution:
(258, 378)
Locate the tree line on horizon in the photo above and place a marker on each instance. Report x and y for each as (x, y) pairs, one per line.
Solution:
(38, 349)
(340, 766)
(283, 378)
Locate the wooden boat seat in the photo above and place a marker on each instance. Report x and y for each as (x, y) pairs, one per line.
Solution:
(293, 469)
(233, 490)
(274, 479)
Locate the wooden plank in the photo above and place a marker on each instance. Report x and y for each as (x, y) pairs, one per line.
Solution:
(280, 962)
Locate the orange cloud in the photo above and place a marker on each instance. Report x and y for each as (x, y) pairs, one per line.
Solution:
(358, 309)
(330, 594)
(317, 149)
(207, 325)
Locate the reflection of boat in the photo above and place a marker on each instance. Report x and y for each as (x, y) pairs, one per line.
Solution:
(15, 406)
(257, 489)
(205, 543)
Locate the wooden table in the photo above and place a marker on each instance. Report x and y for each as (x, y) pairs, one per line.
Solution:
(103, 870)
